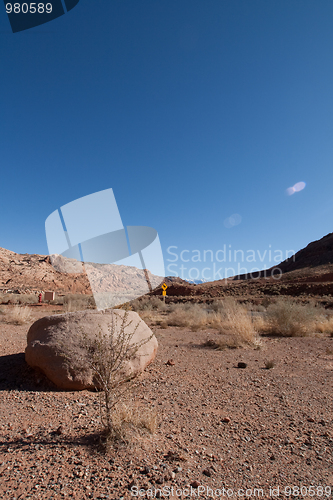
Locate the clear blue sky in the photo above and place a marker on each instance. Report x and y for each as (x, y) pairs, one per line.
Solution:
(190, 110)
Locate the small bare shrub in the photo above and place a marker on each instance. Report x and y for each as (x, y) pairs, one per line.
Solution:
(270, 363)
(106, 354)
(19, 315)
(230, 342)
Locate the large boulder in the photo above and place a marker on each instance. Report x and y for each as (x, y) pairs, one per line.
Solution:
(54, 345)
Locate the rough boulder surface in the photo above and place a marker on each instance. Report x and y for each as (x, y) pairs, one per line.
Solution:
(52, 345)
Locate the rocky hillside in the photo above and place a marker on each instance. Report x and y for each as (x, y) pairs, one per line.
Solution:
(27, 273)
(310, 272)
(315, 260)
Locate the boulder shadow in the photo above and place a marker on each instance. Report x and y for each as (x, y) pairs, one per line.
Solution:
(16, 374)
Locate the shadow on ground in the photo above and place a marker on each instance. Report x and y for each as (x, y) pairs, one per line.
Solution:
(16, 374)
(91, 441)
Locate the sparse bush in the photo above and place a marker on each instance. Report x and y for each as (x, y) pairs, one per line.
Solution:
(270, 363)
(235, 321)
(188, 315)
(106, 354)
(77, 302)
(324, 324)
(19, 315)
(26, 298)
(148, 303)
(9, 298)
(290, 319)
(128, 421)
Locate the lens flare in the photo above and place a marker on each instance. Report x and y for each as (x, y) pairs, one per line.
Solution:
(299, 186)
(232, 221)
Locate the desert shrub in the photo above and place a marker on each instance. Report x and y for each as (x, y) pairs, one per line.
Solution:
(324, 324)
(77, 302)
(28, 298)
(128, 421)
(9, 298)
(106, 354)
(188, 315)
(19, 315)
(269, 364)
(235, 322)
(291, 319)
(148, 303)
(58, 300)
(228, 316)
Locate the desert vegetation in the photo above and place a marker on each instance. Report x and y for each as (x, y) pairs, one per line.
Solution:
(240, 324)
(107, 354)
(16, 315)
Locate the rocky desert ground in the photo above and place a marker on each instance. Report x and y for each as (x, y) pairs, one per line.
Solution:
(221, 429)
(215, 418)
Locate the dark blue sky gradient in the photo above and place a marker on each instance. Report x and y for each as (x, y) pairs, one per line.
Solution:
(190, 110)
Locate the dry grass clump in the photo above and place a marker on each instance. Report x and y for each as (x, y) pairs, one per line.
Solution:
(236, 323)
(325, 325)
(129, 422)
(77, 302)
(269, 364)
(18, 315)
(188, 315)
(148, 303)
(28, 298)
(291, 319)
(9, 298)
(18, 298)
(228, 316)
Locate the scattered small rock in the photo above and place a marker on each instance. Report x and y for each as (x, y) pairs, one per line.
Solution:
(241, 365)
(207, 472)
(170, 362)
(195, 484)
(145, 470)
